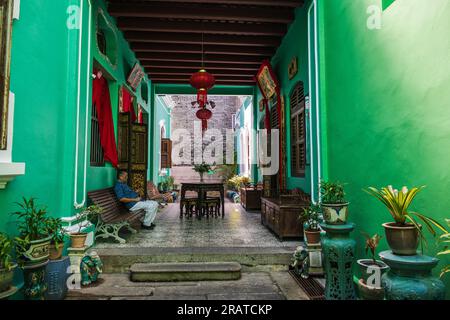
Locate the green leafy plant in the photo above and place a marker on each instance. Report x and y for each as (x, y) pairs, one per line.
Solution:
(332, 192)
(226, 172)
(311, 216)
(56, 230)
(32, 220)
(372, 243)
(398, 202)
(445, 240)
(6, 248)
(202, 168)
(237, 181)
(89, 214)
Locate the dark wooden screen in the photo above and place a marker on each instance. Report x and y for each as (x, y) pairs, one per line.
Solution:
(166, 153)
(97, 156)
(139, 158)
(6, 12)
(298, 131)
(124, 141)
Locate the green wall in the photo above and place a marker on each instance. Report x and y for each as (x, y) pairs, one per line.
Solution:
(44, 73)
(387, 105)
(160, 114)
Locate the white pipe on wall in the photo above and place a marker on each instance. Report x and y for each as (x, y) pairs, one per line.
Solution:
(317, 100)
(78, 205)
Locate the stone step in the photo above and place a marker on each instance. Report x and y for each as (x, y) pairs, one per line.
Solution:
(169, 272)
(119, 260)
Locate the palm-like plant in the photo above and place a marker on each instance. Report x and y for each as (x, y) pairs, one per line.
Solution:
(33, 220)
(445, 239)
(398, 202)
(6, 247)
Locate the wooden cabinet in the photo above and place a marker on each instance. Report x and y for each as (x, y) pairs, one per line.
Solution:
(251, 198)
(280, 215)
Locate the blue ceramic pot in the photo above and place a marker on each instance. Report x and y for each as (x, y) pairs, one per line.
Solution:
(410, 278)
(56, 278)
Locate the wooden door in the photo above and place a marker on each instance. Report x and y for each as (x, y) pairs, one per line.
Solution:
(138, 158)
(124, 141)
(166, 153)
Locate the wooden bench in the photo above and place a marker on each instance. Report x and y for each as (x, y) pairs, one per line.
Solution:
(115, 215)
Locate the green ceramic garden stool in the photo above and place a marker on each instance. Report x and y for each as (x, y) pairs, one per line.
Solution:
(339, 254)
(34, 277)
(410, 278)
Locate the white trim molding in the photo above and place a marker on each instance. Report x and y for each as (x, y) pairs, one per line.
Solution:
(9, 170)
(16, 9)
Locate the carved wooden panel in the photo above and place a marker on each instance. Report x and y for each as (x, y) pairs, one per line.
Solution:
(124, 140)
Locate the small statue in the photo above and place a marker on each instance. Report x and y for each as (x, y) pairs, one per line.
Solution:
(301, 262)
(91, 268)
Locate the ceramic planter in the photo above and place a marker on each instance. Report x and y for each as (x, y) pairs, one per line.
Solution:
(312, 237)
(365, 264)
(6, 278)
(402, 239)
(335, 213)
(56, 252)
(370, 293)
(78, 240)
(38, 251)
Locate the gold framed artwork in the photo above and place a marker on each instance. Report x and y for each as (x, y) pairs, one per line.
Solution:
(293, 68)
(6, 18)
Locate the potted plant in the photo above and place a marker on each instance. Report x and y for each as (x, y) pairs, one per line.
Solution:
(445, 239)
(57, 233)
(404, 233)
(334, 205)
(78, 239)
(33, 243)
(7, 266)
(201, 169)
(311, 217)
(364, 264)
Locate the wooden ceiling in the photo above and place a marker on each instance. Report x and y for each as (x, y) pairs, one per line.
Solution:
(237, 35)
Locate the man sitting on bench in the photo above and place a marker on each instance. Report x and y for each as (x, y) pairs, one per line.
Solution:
(134, 202)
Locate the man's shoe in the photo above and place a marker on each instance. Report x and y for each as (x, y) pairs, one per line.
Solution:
(148, 227)
(153, 225)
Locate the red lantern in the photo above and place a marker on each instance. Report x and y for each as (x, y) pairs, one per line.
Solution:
(202, 81)
(204, 115)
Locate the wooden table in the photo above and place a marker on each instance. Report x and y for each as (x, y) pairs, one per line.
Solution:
(202, 188)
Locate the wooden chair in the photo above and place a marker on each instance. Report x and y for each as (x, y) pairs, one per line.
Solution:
(115, 215)
(154, 194)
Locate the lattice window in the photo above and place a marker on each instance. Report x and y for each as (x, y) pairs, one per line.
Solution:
(97, 156)
(298, 131)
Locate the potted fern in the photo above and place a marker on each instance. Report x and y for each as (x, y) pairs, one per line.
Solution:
(404, 234)
(310, 216)
(334, 205)
(201, 169)
(33, 243)
(7, 266)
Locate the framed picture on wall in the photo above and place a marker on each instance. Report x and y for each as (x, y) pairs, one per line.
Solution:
(136, 76)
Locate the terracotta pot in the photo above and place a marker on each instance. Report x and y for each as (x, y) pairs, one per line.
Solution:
(335, 213)
(370, 293)
(6, 278)
(78, 240)
(365, 264)
(56, 252)
(312, 237)
(402, 239)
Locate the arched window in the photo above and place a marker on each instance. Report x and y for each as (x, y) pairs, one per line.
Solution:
(298, 131)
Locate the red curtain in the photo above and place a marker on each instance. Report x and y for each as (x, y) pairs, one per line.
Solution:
(102, 102)
(128, 104)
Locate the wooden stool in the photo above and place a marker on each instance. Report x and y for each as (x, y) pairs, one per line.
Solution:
(211, 206)
(188, 207)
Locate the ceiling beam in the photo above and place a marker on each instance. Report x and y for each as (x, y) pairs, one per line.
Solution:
(230, 82)
(201, 12)
(278, 3)
(187, 77)
(150, 56)
(248, 29)
(188, 72)
(197, 48)
(174, 65)
(194, 38)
